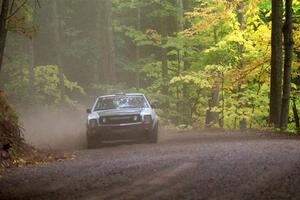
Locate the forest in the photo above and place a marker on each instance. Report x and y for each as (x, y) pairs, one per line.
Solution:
(230, 64)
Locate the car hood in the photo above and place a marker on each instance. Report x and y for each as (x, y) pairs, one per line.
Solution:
(118, 112)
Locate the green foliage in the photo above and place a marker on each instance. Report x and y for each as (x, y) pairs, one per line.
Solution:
(207, 49)
(21, 19)
(46, 86)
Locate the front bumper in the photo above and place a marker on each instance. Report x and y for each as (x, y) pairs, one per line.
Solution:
(120, 130)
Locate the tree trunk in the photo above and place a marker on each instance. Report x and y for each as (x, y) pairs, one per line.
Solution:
(58, 44)
(3, 28)
(212, 117)
(98, 41)
(108, 50)
(164, 61)
(221, 121)
(181, 108)
(31, 71)
(240, 10)
(185, 5)
(288, 57)
(276, 63)
(164, 58)
(137, 50)
(180, 14)
(296, 116)
(32, 49)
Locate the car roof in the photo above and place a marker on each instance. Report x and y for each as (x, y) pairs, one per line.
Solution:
(126, 94)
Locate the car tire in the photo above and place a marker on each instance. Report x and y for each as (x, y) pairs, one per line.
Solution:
(91, 142)
(153, 137)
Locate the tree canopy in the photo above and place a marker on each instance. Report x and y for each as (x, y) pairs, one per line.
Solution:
(203, 63)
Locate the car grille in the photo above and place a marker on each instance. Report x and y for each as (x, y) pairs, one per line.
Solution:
(121, 119)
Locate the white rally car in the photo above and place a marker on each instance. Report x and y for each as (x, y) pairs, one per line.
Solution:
(121, 116)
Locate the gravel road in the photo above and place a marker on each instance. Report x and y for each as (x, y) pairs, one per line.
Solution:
(216, 166)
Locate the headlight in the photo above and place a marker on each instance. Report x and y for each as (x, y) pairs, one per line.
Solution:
(102, 120)
(93, 123)
(148, 119)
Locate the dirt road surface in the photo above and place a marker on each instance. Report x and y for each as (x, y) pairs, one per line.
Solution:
(216, 166)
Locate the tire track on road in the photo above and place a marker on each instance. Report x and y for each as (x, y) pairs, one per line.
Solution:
(146, 186)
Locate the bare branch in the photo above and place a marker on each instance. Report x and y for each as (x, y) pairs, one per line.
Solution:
(12, 6)
(13, 13)
(38, 3)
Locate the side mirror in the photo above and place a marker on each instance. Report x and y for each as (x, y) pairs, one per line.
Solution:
(153, 106)
(88, 111)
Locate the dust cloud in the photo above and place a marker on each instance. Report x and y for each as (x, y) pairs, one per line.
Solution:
(49, 128)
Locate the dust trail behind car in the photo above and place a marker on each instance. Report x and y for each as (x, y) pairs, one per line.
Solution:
(49, 128)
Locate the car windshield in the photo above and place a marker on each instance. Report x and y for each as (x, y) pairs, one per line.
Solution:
(120, 102)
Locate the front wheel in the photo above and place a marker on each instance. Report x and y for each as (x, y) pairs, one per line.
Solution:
(91, 142)
(89, 145)
(153, 137)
